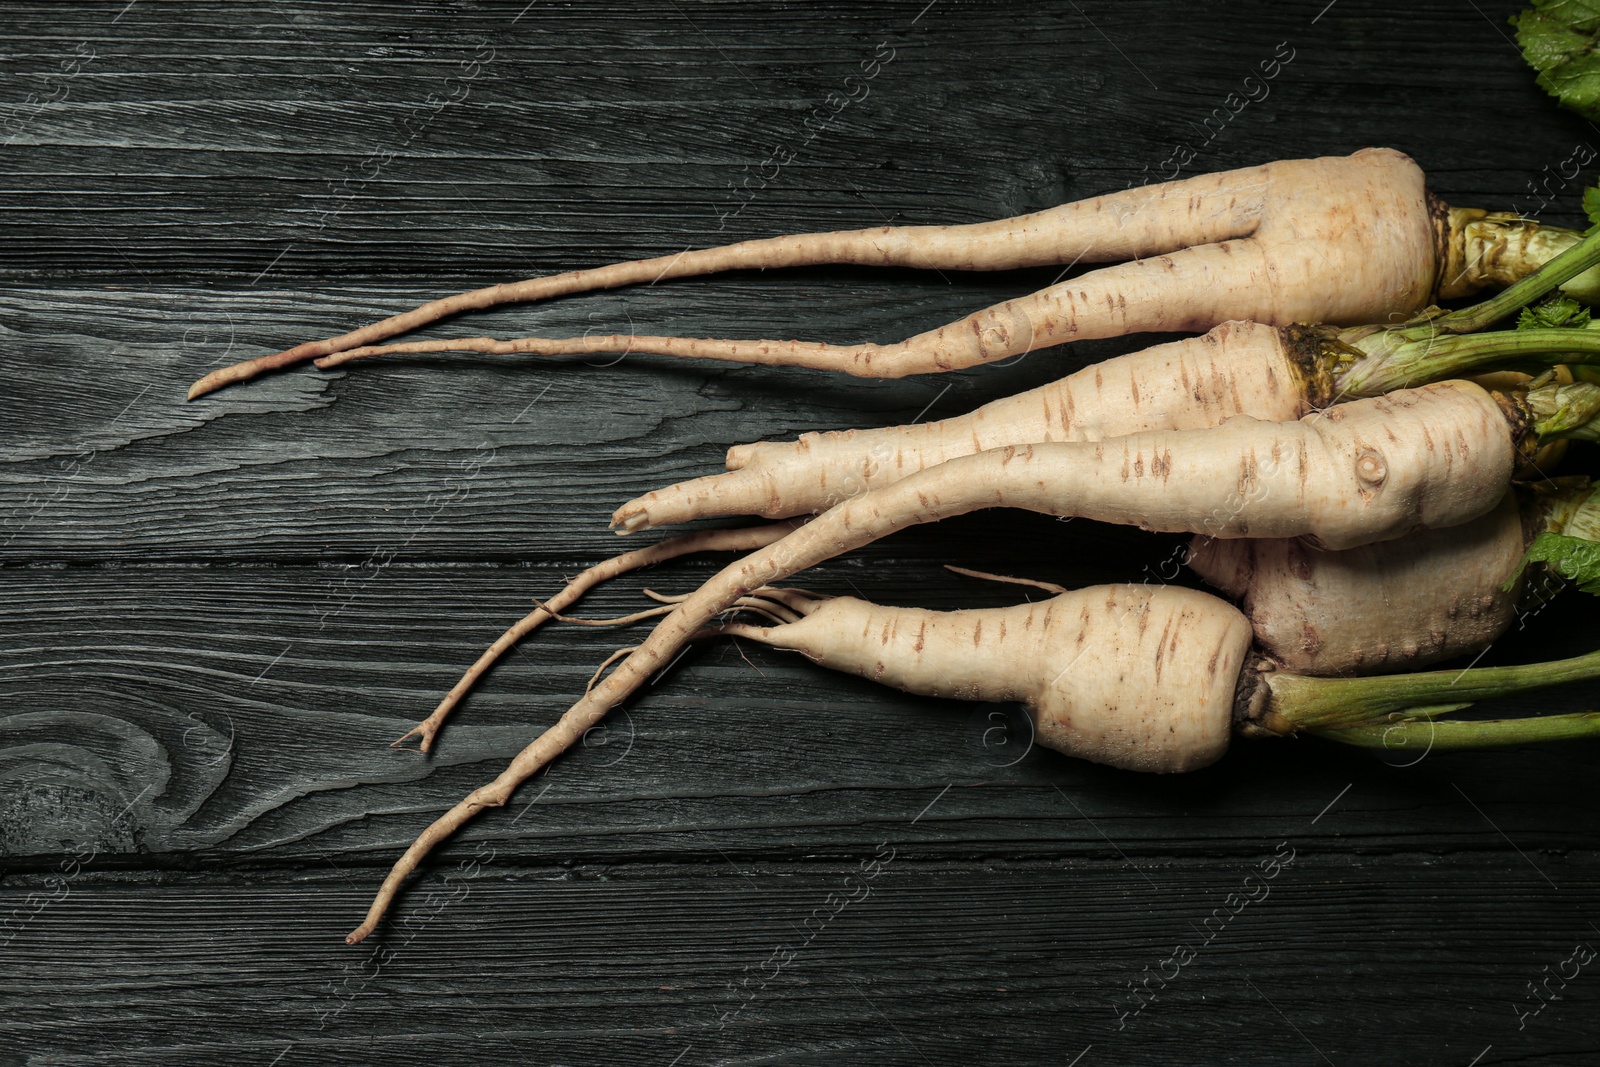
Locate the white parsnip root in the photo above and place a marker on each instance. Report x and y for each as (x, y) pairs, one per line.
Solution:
(1071, 659)
(1237, 368)
(1341, 239)
(1365, 471)
(1394, 605)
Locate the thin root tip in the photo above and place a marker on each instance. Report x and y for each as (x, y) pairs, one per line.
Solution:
(200, 388)
(420, 731)
(630, 522)
(358, 935)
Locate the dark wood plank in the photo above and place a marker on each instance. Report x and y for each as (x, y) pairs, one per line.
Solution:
(193, 148)
(935, 962)
(214, 616)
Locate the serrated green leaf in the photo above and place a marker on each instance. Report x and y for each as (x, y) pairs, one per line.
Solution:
(1572, 558)
(1557, 313)
(1561, 40)
(1580, 14)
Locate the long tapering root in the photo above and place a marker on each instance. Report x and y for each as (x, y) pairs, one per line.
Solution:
(1123, 225)
(1135, 297)
(968, 572)
(566, 732)
(442, 827)
(862, 360)
(619, 620)
(735, 540)
(560, 737)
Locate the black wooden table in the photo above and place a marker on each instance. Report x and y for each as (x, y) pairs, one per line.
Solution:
(214, 616)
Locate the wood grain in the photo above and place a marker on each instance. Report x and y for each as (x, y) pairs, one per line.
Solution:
(214, 616)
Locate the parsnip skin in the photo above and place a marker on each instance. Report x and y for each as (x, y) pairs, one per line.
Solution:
(1134, 676)
(1391, 606)
(1360, 472)
(1238, 368)
(1339, 239)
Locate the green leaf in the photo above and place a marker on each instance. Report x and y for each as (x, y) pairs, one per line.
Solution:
(1561, 40)
(1572, 558)
(1591, 204)
(1558, 312)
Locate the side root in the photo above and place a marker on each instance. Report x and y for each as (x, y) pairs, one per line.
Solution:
(736, 540)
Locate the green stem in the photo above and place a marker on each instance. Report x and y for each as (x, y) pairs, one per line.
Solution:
(1425, 734)
(1404, 364)
(1298, 702)
(1568, 265)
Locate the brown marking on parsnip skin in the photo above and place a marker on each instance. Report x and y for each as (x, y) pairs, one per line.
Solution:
(1311, 641)
(1161, 644)
(1299, 562)
(1248, 476)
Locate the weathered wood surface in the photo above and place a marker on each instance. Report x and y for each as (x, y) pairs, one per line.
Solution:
(214, 616)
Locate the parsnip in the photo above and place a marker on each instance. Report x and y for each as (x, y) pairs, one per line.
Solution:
(1143, 677)
(1339, 239)
(1238, 368)
(1366, 471)
(1148, 678)
(1394, 605)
